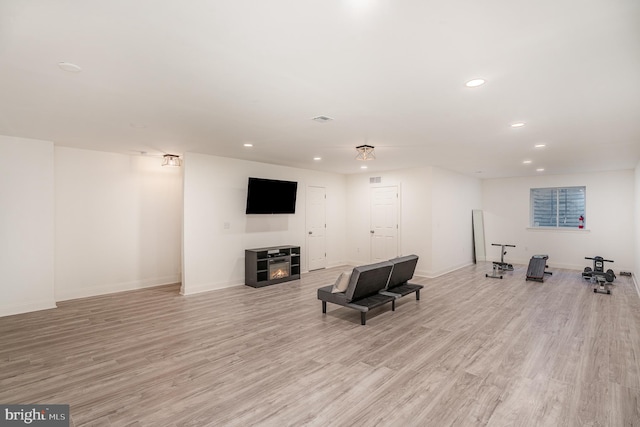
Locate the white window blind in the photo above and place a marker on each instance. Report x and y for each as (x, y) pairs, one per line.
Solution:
(557, 207)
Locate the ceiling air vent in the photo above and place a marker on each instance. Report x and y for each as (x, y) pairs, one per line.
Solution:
(375, 180)
(322, 119)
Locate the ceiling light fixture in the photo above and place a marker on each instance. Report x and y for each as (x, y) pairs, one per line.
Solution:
(540, 145)
(540, 170)
(317, 158)
(322, 119)
(517, 125)
(69, 67)
(248, 145)
(475, 83)
(365, 152)
(363, 167)
(172, 160)
(526, 162)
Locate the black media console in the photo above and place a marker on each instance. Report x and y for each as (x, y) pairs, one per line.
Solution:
(268, 266)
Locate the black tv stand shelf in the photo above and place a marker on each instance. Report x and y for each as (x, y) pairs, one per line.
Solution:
(268, 266)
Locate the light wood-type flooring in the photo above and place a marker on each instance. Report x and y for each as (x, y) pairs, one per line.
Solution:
(473, 351)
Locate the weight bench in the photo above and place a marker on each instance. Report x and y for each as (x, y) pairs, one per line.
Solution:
(538, 268)
(601, 285)
(500, 266)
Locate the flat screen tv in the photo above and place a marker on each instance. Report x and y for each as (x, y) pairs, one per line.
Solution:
(270, 196)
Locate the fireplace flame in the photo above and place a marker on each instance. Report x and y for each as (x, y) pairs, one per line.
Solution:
(279, 273)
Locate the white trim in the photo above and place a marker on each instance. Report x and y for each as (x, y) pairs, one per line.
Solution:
(435, 274)
(13, 309)
(115, 287)
(336, 264)
(560, 229)
(206, 287)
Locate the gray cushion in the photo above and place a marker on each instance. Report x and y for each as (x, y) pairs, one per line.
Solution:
(342, 282)
(368, 280)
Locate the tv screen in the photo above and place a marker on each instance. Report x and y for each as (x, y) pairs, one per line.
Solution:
(270, 196)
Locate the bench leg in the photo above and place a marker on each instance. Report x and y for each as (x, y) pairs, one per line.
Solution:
(324, 307)
(393, 305)
(418, 295)
(363, 318)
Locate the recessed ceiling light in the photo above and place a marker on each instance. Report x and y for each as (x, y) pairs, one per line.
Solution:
(317, 158)
(248, 145)
(540, 145)
(540, 170)
(68, 66)
(526, 162)
(363, 167)
(517, 125)
(475, 83)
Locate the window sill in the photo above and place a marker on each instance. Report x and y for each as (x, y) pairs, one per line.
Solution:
(560, 229)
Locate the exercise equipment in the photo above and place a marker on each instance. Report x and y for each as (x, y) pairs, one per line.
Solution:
(600, 278)
(500, 266)
(538, 268)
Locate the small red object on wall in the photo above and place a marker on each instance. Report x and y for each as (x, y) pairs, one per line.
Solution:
(581, 222)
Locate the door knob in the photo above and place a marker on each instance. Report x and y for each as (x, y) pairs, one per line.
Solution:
(311, 232)
(371, 231)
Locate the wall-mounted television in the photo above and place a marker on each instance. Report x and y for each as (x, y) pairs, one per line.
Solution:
(271, 196)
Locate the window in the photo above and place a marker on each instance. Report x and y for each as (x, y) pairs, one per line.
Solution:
(557, 207)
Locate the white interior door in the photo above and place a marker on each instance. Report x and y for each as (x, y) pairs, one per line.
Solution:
(316, 227)
(384, 223)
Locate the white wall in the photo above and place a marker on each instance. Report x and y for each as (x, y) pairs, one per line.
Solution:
(435, 217)
(217, 231)
(26, 225)
(636, 221)
(454, 197)
(118, 223)
(609, 220)
(415, 214)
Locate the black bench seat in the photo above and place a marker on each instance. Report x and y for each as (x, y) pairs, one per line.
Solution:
(363, 290)
(373, 285)
(363, 305)
(403, 269)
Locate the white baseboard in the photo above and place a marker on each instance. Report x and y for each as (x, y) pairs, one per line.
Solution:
(338, 264)
(26, 307)
(92, 291)
(357, 263)
(438, 273)
(206, 287)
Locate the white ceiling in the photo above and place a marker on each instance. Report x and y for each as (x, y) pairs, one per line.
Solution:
(208, 76)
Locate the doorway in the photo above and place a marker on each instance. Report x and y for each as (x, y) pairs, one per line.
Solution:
(316, 228)
(385, 226)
